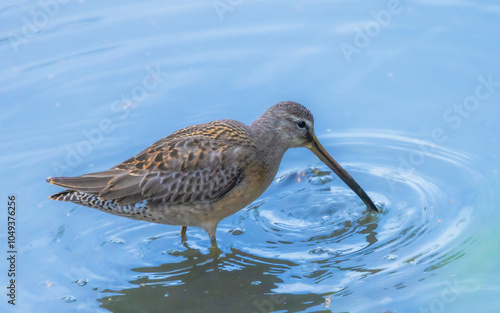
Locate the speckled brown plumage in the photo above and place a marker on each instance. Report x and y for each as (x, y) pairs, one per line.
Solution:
(198, 175)
(193, 165)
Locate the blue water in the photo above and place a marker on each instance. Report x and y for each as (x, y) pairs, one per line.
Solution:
(405, 96)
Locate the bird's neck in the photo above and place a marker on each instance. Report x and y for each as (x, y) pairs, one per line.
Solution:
(270, 142)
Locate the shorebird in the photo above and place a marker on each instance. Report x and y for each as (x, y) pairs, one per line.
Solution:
(201, 174)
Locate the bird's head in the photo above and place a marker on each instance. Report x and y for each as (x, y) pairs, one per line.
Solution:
(294, 127)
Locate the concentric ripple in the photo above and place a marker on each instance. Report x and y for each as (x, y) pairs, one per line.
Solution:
(309, 217)
(310, 234)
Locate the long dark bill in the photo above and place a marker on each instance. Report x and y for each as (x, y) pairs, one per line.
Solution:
(324, 156)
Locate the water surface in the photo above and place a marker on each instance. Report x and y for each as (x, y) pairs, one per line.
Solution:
(405, 97)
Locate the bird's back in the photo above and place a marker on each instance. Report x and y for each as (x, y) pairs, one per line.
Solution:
(199, 164)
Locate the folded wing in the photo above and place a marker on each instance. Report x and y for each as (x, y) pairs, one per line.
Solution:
(184, 169)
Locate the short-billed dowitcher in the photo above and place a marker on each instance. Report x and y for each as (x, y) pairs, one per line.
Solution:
(203, 173)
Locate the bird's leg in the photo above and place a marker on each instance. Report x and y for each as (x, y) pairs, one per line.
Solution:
(183, 233)
(214, 249)
(213, 241)
(183, 230)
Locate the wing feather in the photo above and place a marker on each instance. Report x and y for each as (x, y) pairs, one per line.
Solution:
(189, 166)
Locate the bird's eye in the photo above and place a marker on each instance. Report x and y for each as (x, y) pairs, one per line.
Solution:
(301, 124)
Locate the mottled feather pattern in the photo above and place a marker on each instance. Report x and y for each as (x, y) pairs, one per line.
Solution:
(196, 164)
(93, 201)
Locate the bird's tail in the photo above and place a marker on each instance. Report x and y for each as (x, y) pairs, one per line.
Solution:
(66, 195)
(85, 199)
(136, 211)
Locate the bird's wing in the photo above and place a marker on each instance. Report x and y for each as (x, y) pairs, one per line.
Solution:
(188, 166)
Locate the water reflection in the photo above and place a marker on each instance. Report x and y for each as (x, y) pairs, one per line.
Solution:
(196, 282)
